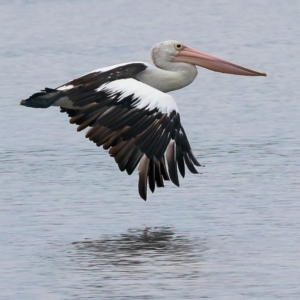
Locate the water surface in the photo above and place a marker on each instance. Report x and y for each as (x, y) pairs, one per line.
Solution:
(73, 227)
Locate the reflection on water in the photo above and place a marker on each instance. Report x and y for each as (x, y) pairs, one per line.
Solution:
(139, 246)
(148, 262)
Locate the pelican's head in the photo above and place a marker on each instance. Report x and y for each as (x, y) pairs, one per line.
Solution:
(174, 51)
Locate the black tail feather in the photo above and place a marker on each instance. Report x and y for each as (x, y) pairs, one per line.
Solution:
(42, 99)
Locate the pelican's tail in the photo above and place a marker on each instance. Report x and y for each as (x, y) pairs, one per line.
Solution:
(43, 99)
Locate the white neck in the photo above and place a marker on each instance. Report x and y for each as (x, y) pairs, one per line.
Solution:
(168, 76)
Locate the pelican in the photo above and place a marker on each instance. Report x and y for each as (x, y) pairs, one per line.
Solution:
(129, 113)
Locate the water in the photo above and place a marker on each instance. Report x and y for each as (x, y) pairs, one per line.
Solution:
(73, 227)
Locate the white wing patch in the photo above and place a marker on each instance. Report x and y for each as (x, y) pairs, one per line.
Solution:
(148, 96)
(65, 87)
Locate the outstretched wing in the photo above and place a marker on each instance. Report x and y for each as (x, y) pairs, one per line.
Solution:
(136, 122)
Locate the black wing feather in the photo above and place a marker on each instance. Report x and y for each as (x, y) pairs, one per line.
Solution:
(132, 135)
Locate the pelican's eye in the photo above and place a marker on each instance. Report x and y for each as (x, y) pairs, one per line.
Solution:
(178, 47)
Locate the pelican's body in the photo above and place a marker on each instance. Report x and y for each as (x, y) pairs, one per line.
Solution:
(129, 112)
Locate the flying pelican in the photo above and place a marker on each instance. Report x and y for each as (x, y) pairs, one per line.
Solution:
(130, 114)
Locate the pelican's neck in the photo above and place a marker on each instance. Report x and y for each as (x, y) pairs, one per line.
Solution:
(169, 76)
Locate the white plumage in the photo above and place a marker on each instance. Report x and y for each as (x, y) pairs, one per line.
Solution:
(147, 97)
(128, 112)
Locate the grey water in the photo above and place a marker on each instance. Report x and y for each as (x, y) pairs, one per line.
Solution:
(73, 227)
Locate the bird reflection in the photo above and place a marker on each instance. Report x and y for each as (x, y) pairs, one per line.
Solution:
(160, 245)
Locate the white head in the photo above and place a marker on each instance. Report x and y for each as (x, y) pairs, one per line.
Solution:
(172, 55)
(164, 52)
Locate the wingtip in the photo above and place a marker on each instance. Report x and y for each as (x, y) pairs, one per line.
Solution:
(175, 179)
(143, 171)
(143, 195)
